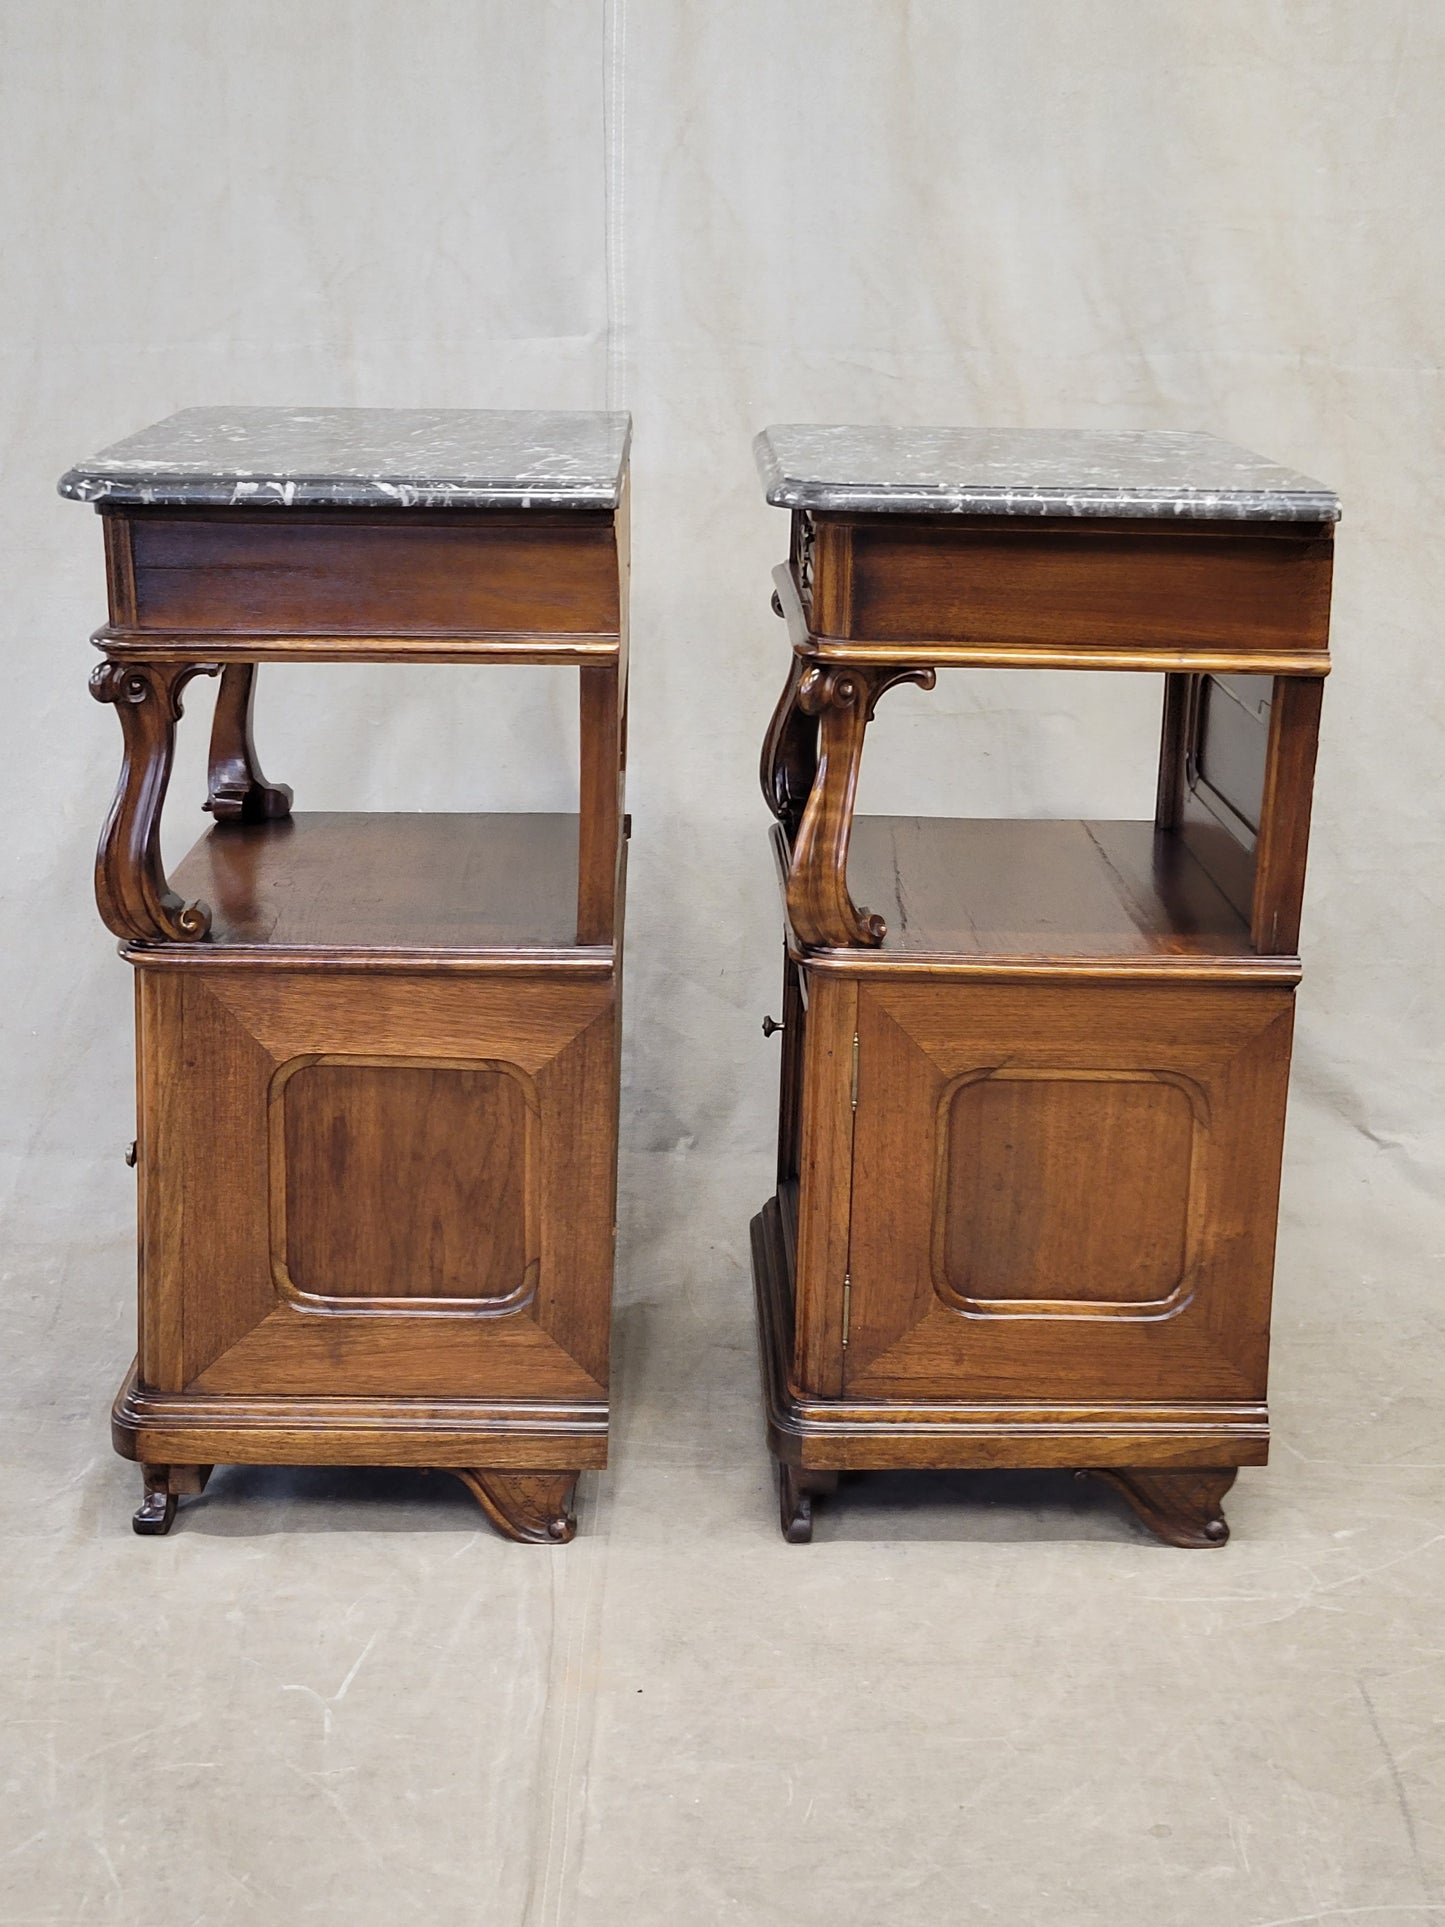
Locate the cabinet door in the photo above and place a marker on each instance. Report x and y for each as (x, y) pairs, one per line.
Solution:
(1065, 1192)
(396, 1183)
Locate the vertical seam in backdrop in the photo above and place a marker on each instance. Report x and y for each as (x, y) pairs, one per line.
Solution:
(614, 134)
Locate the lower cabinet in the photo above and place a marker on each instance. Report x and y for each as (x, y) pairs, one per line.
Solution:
(1025, 1221)
(1064, 1191)
(393, 1186)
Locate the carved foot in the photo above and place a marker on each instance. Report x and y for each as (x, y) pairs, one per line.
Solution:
(1183, 1508)
(164, 1484)
(796, 1491)
(534, 1508)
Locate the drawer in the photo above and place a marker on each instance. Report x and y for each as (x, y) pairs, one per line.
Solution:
(348, 574)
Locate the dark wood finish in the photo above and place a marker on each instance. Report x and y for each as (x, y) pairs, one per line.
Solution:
(1284, 829)
(1040, 889)
(131, 892)
(1075, 590)
(456, 886)
(1236, 779)
(164, 1486)
(534, 1508)
(1092, 1268)
(973, 1433)
(790, 751)
(225, 1315)
(396, 1181)
(354, 572)
(819, 906)
(1033, 1097)
(237, 791)
(1182, 1508)
(523, 1434)
(796, 1492)
(378, 1087)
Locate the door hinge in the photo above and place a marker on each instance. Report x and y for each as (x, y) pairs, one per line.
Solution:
(847, 1305)
(855, 1070)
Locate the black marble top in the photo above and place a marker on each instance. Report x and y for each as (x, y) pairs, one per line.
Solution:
(424, 458)
(1020, 471)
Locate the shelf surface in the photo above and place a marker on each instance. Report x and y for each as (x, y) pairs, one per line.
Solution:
(995, 887)
(324, 881)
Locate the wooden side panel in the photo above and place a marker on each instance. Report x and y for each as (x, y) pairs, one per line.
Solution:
(1239, 788)
(362, 574)
(824, 1185)
(1066, 1191)
(1078, 586)
(1284, 826)
(468, 1133)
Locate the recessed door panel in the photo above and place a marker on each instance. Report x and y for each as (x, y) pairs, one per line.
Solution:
(396, 1181)
(398, 1185)
(1065, 1191)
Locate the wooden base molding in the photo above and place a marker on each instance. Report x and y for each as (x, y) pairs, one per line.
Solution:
(1151, 1453)
(177, 1437)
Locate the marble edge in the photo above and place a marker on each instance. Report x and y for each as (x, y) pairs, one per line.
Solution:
(1179, 503)
(87, 482)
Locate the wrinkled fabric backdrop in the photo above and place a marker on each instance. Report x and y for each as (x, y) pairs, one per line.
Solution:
(1085, 213)
(1099, 215)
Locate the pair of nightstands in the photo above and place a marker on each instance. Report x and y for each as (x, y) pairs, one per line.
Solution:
(1033, 1074)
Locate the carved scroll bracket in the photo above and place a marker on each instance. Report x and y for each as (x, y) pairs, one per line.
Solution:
(237, 792)
(843, 701)
(131, 891)
(790, 754)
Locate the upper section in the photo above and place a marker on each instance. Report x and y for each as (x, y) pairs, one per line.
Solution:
(1008, 471)
(392, 458)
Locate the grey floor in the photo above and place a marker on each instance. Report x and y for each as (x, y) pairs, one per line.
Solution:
(338, 1698)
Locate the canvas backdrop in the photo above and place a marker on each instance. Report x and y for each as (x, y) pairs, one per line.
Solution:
(1096, 214)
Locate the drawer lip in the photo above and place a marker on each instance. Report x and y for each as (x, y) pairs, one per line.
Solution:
(537, 647)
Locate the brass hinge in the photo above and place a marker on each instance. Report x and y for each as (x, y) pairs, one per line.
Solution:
(847, 1305)
(855, 1070)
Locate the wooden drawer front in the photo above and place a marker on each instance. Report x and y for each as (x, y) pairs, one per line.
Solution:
(1078, 586)
(414, 574)
(1065, 1192)
(368, 1186)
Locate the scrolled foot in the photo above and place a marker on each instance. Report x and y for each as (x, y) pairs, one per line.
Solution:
(534, 1508)
(1182, 1508)
(796, 1491)
(164, 1485)
(156, 1513)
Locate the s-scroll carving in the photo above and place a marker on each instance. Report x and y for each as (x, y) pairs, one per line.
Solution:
(131, 891)
(237, 791)
(843, 700)
(790, 754)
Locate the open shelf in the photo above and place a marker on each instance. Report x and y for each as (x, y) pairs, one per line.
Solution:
(994, 887)
(388, 882)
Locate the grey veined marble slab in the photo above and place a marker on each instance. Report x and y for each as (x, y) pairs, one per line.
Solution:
(425, 458)
(1021, 471)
